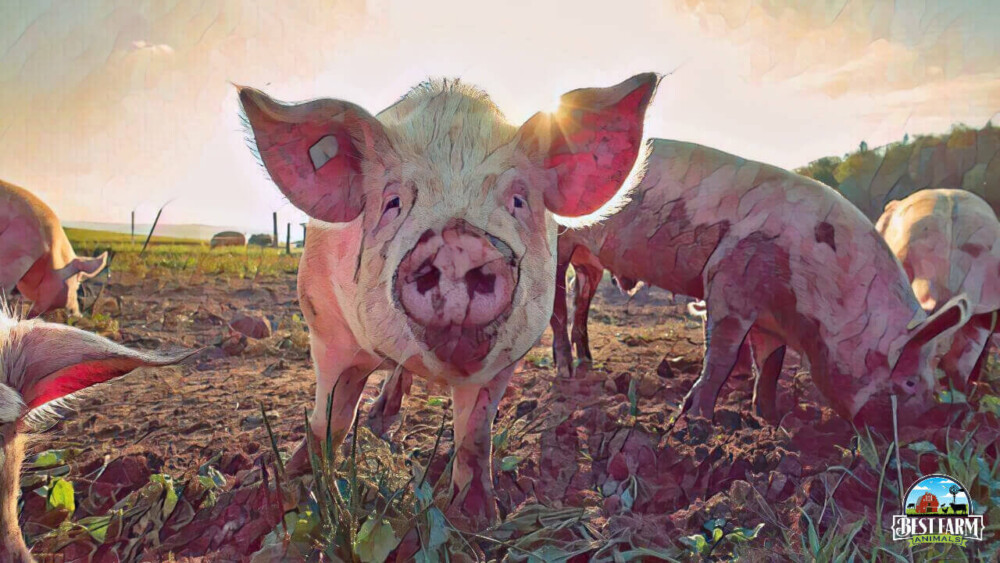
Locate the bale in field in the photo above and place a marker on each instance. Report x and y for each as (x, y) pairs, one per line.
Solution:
(35, 255)
(228, 238)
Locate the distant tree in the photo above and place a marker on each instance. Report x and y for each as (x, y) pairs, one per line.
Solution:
(906, 138)
(822, 170)
(863, 147)
(954, 490)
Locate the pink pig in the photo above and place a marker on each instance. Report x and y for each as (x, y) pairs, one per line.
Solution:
(35, 255)
(779, 260)
(949, 243)
(432, 244)
(40, 363)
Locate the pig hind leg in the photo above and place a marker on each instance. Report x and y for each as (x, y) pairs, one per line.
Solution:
(724, 336)
(475, 408)
(562, 351)
(385, 411)
(587, 279)
(768, 352)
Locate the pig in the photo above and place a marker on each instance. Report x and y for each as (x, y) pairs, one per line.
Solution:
(949, 243)
(40, 363)
(36, 257)
(780, 260)
(432, 240)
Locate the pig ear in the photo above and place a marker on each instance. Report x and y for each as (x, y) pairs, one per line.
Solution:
(90, 267)
(591, 142)
(944, 321)
(313, 151)
(49, 361)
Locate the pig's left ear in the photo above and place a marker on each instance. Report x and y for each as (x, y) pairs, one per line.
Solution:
(49, 361)
(944, 321)
(591, 142)
(90, 267)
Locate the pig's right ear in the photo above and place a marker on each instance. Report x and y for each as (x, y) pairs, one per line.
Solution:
(313, 151)
(49, 361)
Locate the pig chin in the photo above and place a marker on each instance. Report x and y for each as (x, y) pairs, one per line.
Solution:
(456, 291)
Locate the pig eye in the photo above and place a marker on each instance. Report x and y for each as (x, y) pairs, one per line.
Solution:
(519, 202)
(392, 204)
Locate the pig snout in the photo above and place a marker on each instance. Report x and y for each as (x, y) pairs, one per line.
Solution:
(457, 284)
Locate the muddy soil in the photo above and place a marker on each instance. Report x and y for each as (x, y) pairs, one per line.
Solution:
(601, 440)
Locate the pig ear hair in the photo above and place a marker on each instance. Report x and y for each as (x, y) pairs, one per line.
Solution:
(46, 362)
(313, 151)
(591, 142)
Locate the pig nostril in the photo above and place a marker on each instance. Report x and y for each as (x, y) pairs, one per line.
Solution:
(477, 281)
(427, 278)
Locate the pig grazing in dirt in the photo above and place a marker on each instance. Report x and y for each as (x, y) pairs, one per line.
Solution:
(779, 260)
(432, 243)
(40, 363)
(949, 243)
(35, 255)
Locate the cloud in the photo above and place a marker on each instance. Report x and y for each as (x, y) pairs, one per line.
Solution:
(159, 49)
(872, 46)
(919, 488)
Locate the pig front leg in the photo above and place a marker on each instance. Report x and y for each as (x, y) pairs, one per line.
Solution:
(343, 374)
(562, 352)
(969, 351)
(385, 411)
(473, 499)
(587, 280)
(724, 335)
(768, 353)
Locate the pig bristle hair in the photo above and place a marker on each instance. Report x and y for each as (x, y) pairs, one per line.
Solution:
(12, 330)
(251, 142)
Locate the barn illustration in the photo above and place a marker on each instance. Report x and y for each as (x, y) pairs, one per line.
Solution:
(927, 504)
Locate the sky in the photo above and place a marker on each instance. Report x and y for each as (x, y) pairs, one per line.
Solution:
(112, 106)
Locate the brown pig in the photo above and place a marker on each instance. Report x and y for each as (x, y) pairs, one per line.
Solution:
(41, 363)
(949, 243)
(35, 255)
(779, 260)
(432, 243)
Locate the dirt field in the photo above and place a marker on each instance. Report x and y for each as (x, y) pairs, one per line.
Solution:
(586, 468)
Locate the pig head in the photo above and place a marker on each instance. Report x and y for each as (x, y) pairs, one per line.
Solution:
(36, 257)
(432, 239)
(41, 363)
(948, 241)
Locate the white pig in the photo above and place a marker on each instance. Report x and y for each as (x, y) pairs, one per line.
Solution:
(35, 255)
(432, 243)
(949, 243)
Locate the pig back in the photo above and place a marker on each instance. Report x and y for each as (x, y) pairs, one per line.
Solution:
(948, 241)
(29, 230)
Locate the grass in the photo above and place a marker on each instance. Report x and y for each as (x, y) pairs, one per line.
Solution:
(169, 257)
